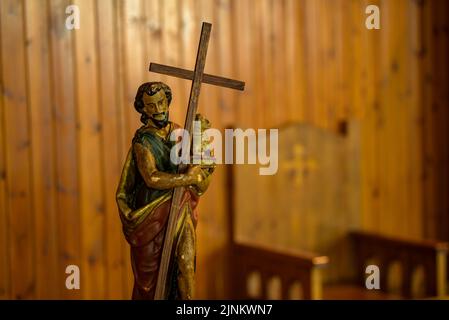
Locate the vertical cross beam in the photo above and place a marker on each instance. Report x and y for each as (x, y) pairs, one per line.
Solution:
(161, 286)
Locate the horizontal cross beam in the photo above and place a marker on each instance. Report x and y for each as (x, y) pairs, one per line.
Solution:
(207, 78)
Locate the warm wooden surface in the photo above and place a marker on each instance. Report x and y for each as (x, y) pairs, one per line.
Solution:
(412, 268)
(311, 203)
(273, 274)
(67, 118)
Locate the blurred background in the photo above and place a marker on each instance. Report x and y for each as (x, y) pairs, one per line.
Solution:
(363, 117)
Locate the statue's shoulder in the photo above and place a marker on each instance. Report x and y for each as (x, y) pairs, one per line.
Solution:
(142, 135)
(152, 135)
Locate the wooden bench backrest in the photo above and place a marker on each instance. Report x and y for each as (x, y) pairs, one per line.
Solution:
(410, 255)
(267, 273)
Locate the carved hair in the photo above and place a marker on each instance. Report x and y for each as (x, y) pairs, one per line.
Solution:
(150, 88)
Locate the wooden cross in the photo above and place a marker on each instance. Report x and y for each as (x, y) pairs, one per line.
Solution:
(300, 165)
(197, 76)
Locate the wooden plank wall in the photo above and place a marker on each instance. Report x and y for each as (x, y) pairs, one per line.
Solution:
(67, 118)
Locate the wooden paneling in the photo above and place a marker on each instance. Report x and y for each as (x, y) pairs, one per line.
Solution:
(436, 116)
(89, 136)
(67, 119)
(17, 150)
(42, 161)
(62, 71)
(110, 153)
(5, 275)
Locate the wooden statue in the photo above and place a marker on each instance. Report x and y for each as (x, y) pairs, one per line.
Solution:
(144, 197)
(156, 198)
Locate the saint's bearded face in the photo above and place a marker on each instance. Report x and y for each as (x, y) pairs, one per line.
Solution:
(156, 108)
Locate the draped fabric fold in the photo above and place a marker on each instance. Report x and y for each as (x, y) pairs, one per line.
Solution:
(144, 215)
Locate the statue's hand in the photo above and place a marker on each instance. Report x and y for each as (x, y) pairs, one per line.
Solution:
(208, 169)
(196, 174)
(203, 180)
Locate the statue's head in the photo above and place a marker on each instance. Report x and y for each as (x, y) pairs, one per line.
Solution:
(152, 101)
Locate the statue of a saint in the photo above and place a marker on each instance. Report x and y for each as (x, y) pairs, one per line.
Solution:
(144, 198)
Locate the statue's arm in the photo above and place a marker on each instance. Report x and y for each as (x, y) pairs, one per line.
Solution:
(162, 180)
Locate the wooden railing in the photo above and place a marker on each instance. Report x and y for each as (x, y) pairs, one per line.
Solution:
(409, 254)
(251, 263)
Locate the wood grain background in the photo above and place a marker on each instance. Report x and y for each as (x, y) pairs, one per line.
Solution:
(67, 118)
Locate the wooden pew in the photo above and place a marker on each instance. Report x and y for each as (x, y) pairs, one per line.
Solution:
(385, 251)
(251, 265)
(254, 267)
(318, 213)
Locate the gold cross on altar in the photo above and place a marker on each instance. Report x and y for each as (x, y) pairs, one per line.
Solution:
(300, 164)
